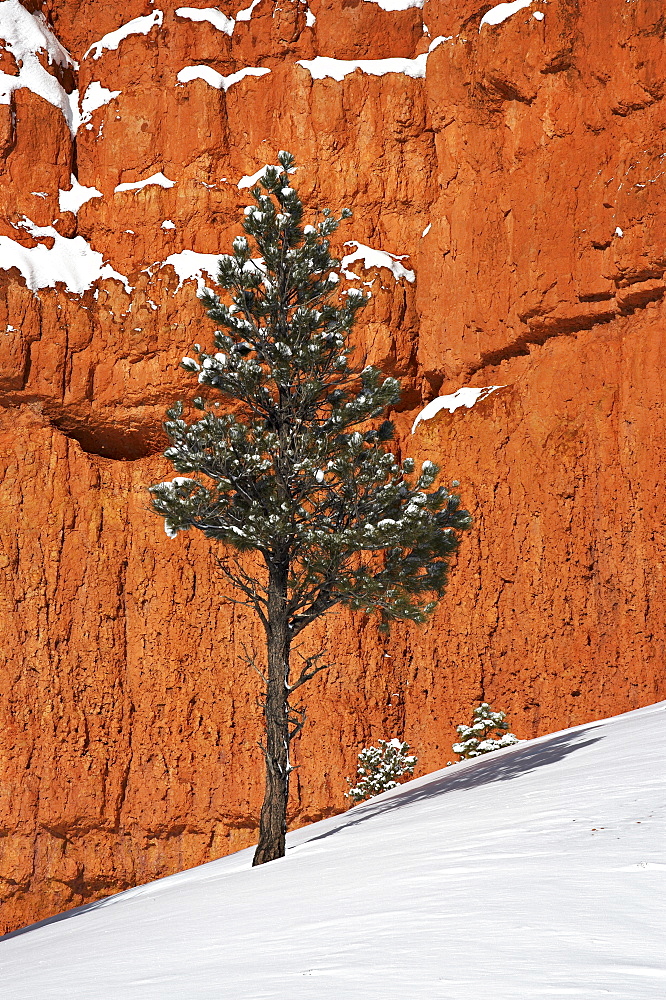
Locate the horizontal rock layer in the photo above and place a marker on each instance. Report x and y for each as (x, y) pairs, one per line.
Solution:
(519, 167)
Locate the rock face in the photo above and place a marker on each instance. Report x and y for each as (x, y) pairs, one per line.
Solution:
(520, 167)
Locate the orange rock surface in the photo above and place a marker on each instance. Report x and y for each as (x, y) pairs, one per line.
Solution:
(520, 167)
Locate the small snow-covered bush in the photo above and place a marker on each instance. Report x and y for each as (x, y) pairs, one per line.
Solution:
(379, 769)
(481, 736)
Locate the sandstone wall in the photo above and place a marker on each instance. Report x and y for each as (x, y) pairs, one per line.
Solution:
(531, 155)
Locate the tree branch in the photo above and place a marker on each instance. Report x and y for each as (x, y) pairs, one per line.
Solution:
(322, 602)
(297, 719)
(248, 586)
(309, 671)
(250, 662)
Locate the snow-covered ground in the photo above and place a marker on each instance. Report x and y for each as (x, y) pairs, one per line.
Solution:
(535, 872)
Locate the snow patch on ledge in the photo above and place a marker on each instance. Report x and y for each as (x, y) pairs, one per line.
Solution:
(325, 66)
(397, 4)
(71, 261)
(187, 264)
(158, 179)
(337, 69)
(250, 180)
(137, 26)
(210, 14)
(96, 96)
(375, 258)
(503, 11)
(25, 35)
(463, 397)
(215, 79)
(245, 15)
(78, 195)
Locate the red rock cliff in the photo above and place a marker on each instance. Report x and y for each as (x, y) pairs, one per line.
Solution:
(520, 166)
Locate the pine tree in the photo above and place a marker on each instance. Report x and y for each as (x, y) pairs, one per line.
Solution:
(483, 735)
(288, 466)
(379, 768)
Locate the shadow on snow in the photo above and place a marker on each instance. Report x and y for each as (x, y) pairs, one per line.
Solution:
(497, 766)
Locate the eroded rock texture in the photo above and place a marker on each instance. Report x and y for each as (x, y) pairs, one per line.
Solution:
(520, 166)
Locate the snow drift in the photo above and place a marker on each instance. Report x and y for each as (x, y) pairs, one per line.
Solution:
(537, 871)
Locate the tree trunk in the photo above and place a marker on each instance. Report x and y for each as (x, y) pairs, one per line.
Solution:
(273, 821)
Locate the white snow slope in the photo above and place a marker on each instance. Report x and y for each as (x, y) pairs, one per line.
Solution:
(538, 871)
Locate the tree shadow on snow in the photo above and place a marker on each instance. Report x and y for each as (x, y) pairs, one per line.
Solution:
(503, 765)
(498, 766)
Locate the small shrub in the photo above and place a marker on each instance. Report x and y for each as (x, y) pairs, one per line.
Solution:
(481, 736)
(379, 769)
